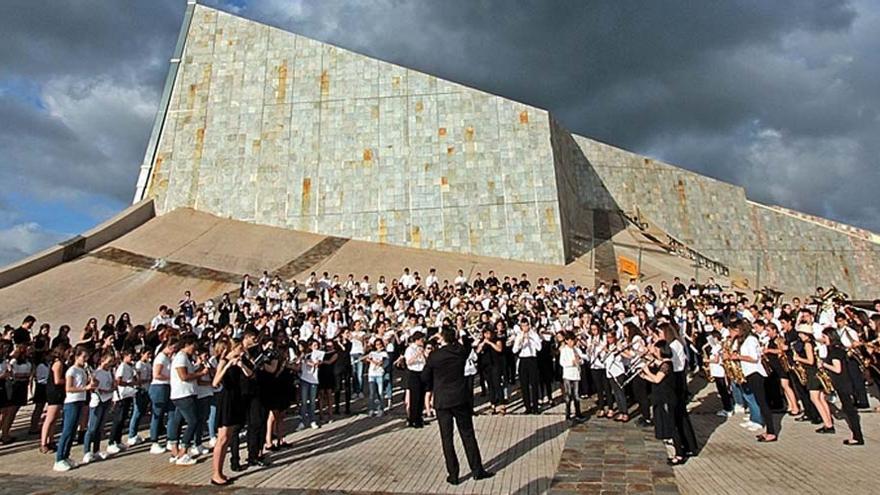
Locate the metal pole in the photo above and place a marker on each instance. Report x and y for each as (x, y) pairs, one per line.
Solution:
(758, 273)
(639, 265)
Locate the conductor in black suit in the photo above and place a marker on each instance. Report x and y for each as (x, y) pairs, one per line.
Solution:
(445, 370)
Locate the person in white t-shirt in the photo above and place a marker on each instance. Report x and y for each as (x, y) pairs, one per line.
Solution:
(144, 369)
(160, 392)
(126, 390)
(357, 352)
(76, 386)
(184, 375)
(377, 360)
(100, 403)
(308, 384)
(749, 356)
(570, 360)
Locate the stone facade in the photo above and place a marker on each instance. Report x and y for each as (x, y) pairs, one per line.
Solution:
(271, 127)
(274, 128)
(767, 245)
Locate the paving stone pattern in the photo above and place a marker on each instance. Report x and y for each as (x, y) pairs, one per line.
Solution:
(604, 457)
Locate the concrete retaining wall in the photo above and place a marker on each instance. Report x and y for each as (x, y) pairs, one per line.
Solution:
(132, 217)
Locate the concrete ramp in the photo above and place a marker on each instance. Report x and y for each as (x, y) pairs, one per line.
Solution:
(156, 262)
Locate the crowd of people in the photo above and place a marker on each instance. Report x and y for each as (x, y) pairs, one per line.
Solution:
(200, 378)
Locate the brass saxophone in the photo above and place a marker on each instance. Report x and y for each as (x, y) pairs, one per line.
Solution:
(784, 362)
(822, 374)
(799, 372)
(706, 372)
(732, 369)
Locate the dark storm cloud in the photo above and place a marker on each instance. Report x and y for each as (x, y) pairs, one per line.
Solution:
(780, 97)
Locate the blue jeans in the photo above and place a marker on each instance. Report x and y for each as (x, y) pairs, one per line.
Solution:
(357, 370)
(141, 403)
(212, 419)
(376, 387)
(160, 396)
(203, 410)
(97, 414)
(184, 409)
(749, 398)
(388, 382)
(308, 392)
(69, 421)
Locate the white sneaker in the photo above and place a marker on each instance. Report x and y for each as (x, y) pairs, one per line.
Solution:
(301, 427)
(172, 460)
(205, 451)
(314, 425)
(745, 424)
(157, 448)
(101, 456)
(755, 427)
(739, 410)
(113, 449)
(90, 457)
(135, 440)
(70, 462)
(195, 451)
(212, 442)
(724, 414)
(185, 460)
(61, 466)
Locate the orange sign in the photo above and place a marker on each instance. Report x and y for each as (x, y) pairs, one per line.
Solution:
(626, 265)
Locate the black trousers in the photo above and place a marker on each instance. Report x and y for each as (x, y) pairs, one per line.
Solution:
(463, 417)
(416, 398)
(529, 378)
(121, 413)
(851, 414)
(343, 384)
(496, 384)
(859, 390)
(603, 392)
(723, 389)
(640, 392)
(682, 419)
(256, 427)
(756, 384)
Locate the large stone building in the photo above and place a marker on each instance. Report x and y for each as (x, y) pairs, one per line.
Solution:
(266, 126)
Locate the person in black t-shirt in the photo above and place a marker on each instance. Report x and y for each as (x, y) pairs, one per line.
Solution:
(835, 364)
(22, 334)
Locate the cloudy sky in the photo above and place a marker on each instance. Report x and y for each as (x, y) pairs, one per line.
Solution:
(781, 97)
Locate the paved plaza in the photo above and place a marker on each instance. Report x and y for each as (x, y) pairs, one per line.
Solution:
(531, 455)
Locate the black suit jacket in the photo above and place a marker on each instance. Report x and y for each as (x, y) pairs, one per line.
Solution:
(445, 371)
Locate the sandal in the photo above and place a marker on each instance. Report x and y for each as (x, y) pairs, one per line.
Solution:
(850, 441)
(227, 482)
(764, 439)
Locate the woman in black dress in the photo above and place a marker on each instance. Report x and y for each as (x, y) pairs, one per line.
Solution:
(807, 357)
(59, 357)
(491, 350)
(665, 399)
(835, 364)
(231, 408)
(327, 382)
